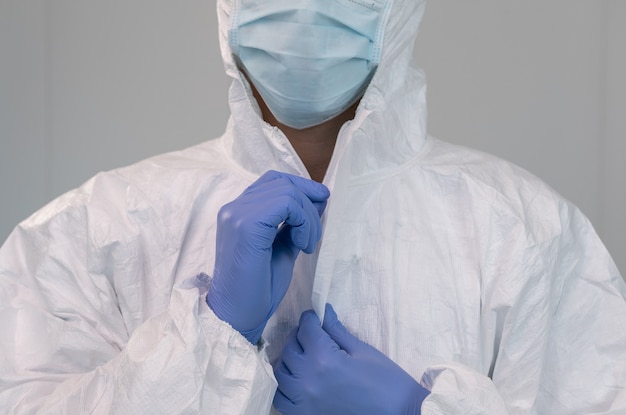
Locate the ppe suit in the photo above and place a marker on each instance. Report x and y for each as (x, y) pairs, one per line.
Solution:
(470, 273)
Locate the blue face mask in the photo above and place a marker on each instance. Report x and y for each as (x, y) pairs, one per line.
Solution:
(310, 60)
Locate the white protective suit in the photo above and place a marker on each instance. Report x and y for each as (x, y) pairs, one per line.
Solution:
(470, 273)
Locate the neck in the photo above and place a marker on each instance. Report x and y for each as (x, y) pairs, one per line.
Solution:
(314, 145)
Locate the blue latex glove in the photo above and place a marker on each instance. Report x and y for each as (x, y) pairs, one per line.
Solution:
(326, 370)
(259, 236)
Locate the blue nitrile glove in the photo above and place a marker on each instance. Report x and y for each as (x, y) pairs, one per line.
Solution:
(259, 236)
(326, 370)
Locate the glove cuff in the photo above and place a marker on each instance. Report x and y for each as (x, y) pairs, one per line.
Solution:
(417, 397)
(214, 303)
(254, 336)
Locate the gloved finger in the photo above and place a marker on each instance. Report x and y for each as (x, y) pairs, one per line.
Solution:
(314, 191)
(283, 404)
(292, 354)
(312, 338)
(282, 373)
(288, 384)
(256, 217)
(281, 202)
(338, 332)
(261, 217)
(320, 207)
(282, 197)
(306, 235)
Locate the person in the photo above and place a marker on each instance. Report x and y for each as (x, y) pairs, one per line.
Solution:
(443, 280)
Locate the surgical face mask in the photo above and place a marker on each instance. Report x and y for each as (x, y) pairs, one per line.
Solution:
(310, 60)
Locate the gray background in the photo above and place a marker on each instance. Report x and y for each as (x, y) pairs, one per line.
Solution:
(89, 86)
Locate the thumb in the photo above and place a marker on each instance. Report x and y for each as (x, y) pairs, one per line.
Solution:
(338, 332)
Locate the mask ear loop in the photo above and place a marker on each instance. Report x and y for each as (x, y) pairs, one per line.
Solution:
(233, 43)
(376, 50)
(233, 28)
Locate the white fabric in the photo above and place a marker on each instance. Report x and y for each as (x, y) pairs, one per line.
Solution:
(467, 271)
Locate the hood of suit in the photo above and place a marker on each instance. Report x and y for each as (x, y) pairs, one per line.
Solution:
(390, 124)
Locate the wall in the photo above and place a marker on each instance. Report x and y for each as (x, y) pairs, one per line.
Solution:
(538, 83)
(613, 181)
(88, 86)
(22, 111)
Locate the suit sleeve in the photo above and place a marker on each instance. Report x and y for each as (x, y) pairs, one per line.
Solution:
(74, 338)
(553, 323)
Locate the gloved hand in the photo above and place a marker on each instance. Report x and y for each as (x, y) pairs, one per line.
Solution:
(326, 370)
(259, 236)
